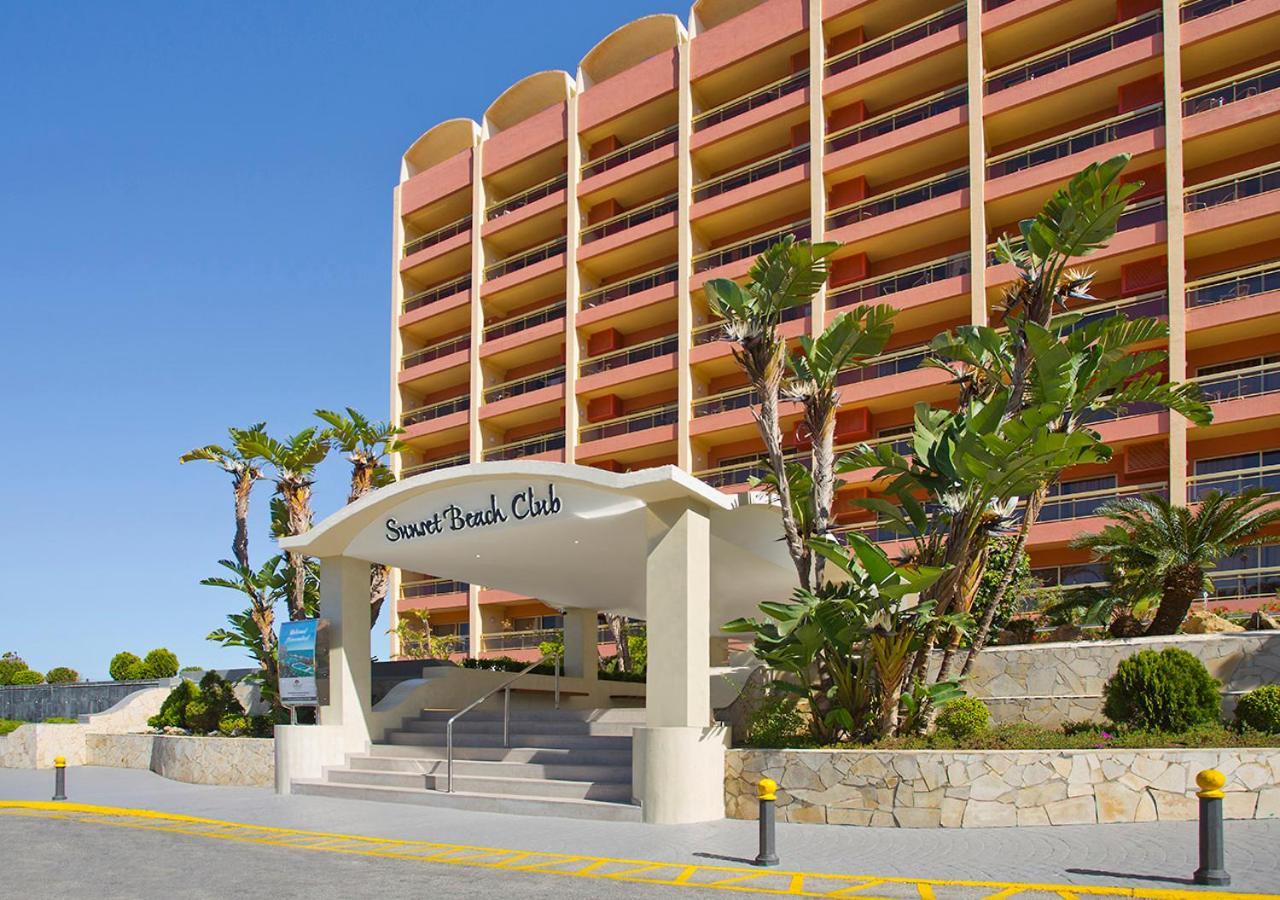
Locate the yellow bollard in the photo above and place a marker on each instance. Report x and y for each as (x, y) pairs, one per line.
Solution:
(1212, 856)
(59, 778)
(767, 790)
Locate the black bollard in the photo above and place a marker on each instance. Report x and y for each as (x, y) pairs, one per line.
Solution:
(59, 778)
(768, 855)
(1212, 853)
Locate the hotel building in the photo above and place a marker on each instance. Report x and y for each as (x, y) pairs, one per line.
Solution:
(547, 296)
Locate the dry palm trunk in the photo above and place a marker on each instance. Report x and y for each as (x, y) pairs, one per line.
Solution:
(820, 419)
(240, 542)
(771, 433)
(378, 576)
(362, 469)
(973, 580)
(619, 631)
(1182, 585)
(297, 498)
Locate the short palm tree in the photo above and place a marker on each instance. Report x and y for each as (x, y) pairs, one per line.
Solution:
(1175, 546)
(243, 464)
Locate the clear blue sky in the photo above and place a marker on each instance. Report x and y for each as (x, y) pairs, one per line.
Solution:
(195, 214)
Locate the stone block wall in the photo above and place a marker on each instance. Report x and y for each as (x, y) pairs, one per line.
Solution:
(196, 760)
(962, 789)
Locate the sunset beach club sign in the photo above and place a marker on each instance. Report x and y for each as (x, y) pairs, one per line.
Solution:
(526, 504)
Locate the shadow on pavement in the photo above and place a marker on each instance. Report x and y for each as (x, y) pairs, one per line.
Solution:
(1102, 873)
(733, 859)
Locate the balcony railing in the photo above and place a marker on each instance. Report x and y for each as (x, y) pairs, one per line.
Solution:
(891, 121)
(759, 97)
(543, 443)
(532, 639)
(1234, 285)
(1265, 477)
(627, 355)
(902, 280)
(458, 459)
(1195, 9)
(439, 292)
(524, 385)
(435, 351)
(435, 237)
(1252, 381)
(1077, 141)
(756, 171)
(524, 198)
(521, 323)
(630, 218)
(631, 151)
(1232, 89)
(525, 258)
(1261, 582)
(711, 332)
(894, 40)
(905, 360)
(435, 410)
(1112, 415)
(1146, 212)
(1153, 304)
(1086, 503)
(432, 587)
(1075, 52)
(739, 398)
(910, 195)
(749, 248)
(1252, 183)
(638, 421)
(634, 285)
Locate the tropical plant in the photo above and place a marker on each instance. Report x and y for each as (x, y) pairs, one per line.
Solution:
(1169, 690)
(413, 629)
(254, 629)
(61, 675)
(242, 463)
(1153, 541)
(1001, 557)
(293, 462)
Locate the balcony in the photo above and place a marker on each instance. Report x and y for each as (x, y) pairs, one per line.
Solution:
(1078, 51)
(461, 226)
(1086, 503)
(1146, 212)
(1195, 9)
(431, 587)
(524, 198)
(895, 40)
(756, 171)
(458, 459)
(911, 195)
(775, 90)
(436, 351)
(435, 411)
(1252, 381)
(887, 285)
(634, 150)
(534, 446)
(907, 359)
(646, 213)
(634, 285)
(1236, 285)
(1077, 141)
(711, 332)
(889, 122)
(748, 249)
(739, 398)
(549, 250)
(626, 356)
(1265, 477)
(1232, 90)
(1256, 584)
(524, 385)
(439, 292)
(1154, 305)
(526, 321)
(1252, 183)
(629, 424)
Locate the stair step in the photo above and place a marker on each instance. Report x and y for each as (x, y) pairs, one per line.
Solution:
(632, 715)
(619, 773)
(478, 802)
(516, 739)
(613, 792)
(414, 748)
(566, 728)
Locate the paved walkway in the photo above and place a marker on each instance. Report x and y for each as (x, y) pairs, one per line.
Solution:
(1148, 859)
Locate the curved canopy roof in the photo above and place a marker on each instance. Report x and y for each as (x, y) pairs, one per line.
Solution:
(526, 98)
(631, 44)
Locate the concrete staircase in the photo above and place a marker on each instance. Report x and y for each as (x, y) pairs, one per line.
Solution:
(560, 762)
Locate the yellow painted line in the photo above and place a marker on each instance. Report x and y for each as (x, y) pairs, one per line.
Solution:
(573, 865)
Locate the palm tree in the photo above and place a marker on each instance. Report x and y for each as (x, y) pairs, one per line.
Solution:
(254, 629)
(367, 445)
(241, 462)
(1172, 545)
(294, 461)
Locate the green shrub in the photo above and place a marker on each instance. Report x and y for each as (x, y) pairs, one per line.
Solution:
(1259, 710)
(8, 725)
(264, 726)
(777, 722)
(60, 720)
(232, 725)
(61, 675)
(27, 676)
(160, 663)
(1166, 691)
(173, 710)
(125, 666)
(964, 717)
(10, 664)
(638, 647)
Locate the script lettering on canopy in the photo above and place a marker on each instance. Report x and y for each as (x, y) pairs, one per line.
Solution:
(525, 504)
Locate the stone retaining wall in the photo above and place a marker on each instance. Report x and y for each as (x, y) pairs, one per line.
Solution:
(197, 760)
(955, 789)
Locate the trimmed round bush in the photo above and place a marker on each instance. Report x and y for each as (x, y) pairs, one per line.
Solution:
(27, 676)
(10, 665)
(160, 663)
(1259, 710)
(1166, 691)
(125, 666)
(964, 717)
(61, 675)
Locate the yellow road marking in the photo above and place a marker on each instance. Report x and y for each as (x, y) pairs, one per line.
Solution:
(572, 865)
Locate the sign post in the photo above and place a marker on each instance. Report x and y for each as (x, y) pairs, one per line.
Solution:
(304, 663)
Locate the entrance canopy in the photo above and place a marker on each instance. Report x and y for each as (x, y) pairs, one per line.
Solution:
(571, 536)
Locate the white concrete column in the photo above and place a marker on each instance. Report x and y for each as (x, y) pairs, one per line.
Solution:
(581, 650)
(475, 622)
(344, 601)
(678, 757)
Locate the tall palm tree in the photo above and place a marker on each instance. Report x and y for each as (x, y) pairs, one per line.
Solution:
(1170, 544)
(367, 445)
(243, 464)
(293, 462)
(254, 629)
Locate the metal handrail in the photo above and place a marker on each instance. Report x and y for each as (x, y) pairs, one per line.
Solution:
(891, 120)
(1112, 37)
(1263, 274)
(505, 687)
(899, 37)
(787, 84)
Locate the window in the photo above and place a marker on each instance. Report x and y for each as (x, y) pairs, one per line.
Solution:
(1237, 463)
(455, 629)
(537, 623)
(1236, 365)
(1082, 486)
